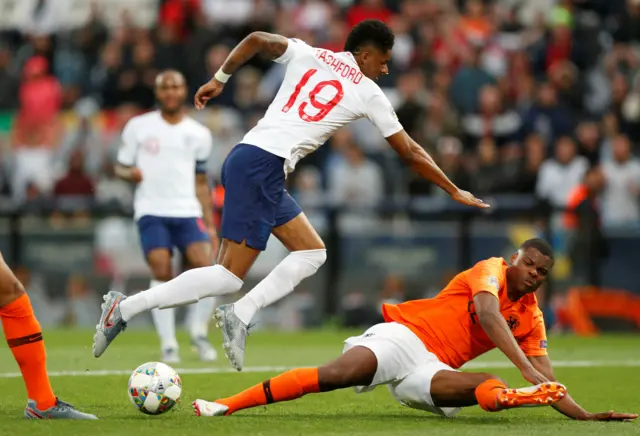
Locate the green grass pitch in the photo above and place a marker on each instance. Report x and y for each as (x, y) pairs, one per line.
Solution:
(601, 373)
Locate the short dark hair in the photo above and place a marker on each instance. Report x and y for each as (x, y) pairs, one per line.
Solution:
(370, 32)
(539, 244)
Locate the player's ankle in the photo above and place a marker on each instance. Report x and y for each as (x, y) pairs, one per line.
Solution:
(487, 394)
(245, 309)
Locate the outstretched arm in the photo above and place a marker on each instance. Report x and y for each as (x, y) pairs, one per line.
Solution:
(268, 44)
(567, 406)
(488, 311)
(423, 164)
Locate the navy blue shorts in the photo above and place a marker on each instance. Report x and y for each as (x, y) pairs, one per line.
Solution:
(255, 200)
(162, 232)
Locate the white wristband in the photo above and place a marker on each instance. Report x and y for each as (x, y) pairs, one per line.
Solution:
(221, 76)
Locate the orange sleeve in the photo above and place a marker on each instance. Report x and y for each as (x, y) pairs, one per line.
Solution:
(535, 343)
(487, 276)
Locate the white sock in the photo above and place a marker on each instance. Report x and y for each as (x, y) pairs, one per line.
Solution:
(165, 322)
(200, 317)
(280, 282)
(189, 287)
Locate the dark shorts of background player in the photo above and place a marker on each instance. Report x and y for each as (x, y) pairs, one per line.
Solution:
(164, 232)
(255, 200)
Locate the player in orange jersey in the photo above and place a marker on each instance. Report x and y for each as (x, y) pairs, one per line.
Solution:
(417, 351)
(24, 337)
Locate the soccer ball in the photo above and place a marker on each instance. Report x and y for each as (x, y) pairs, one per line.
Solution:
(154, 388)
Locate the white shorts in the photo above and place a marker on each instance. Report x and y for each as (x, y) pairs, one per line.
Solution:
(404, 365)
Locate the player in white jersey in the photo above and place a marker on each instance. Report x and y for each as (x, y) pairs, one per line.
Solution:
(164, 153)
(322, 91)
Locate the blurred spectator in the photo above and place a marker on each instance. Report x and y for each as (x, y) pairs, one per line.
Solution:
(561, 174)
(356, 181)
(628, 30)
(177, 17)
(367, 9)
(310, 196)
(412, 100)
(82, 306)
(588, 136)
(621, 197)
(70, 69)
(488, 177)
(547, 117)
(227, 12)
(440, 120)
(588, 245)
(49, 313)
(336, 36)
(559, 45)
(448, 45)
(474, 24)
(519, 84)
(535, 152)
(625, 106)
(404, 46)
(169, 51)
(35, 45)
(40, 95)
(86, 137)
(104, 75)
(73, 193)
(92, 36)
(308, 188)
(468, 82)
(247, 92)
(75, 182)
(33, 159)
(136, 83)
(563, 76)
(491, 120)
(312, 15)
(8, 81)
(610, 130)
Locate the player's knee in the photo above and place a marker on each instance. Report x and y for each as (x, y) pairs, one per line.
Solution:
(316, 258)
(162, 271)
(10, 290)
(332, 377)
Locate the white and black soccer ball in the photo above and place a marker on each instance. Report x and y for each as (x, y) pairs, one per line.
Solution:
(154, 388)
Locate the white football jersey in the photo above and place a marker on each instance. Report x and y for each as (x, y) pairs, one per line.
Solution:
(167, 155)
(322, 91)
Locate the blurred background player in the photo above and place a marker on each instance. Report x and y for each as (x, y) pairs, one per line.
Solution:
(164, 152)
(417, 351)
(24, 338)
(322, 91)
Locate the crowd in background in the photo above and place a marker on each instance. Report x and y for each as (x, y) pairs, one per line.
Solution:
(536, 98)
(509, 96)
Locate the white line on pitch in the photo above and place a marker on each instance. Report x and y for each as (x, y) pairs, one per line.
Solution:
(258, 369)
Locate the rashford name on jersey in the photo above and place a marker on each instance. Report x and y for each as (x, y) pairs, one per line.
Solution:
(338, 66)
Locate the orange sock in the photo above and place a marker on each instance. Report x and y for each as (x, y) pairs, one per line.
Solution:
(24, 336)
(287, 386)
(487, 394)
